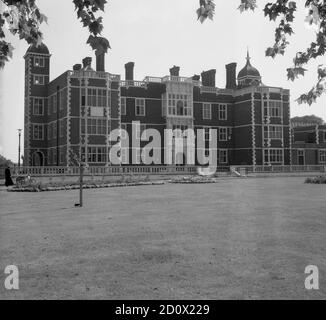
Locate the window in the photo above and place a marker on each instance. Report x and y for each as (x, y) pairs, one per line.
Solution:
(61, 128)
(49, 105)
(54, 130)
(96, 154)
(276, 132)
(140, 107)
(54, 103)
(82, 126)
(54, 156)
(322, 156)
(59, 100)
(95, 97)
(276, 156)
(96, 126)
(39, 62)
(265, 109)
(38, 107)
(49, 156)
(91, 97)
(63, 99)
(222, 112)
(38, 133)
(123, 107)
(207, 111)
(39, 80)
(275, 108)
(101, 97)
(223, 156)
(179, 104)
(223, 134)
(83, 97)
(62, 156)
(49, 131)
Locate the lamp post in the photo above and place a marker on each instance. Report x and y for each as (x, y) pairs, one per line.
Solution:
(19, 136)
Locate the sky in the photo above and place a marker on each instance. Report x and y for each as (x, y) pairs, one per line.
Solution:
(156, 35)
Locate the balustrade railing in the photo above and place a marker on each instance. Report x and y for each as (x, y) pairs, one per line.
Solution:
(120, 170)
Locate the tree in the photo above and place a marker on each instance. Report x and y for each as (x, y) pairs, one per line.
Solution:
(24, 18)
(285, 10)
(311, 119)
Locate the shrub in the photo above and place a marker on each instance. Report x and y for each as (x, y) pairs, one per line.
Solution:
(316, 180)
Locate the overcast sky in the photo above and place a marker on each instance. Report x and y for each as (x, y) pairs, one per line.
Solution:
(157, 34)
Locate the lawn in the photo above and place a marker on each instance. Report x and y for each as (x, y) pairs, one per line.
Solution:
(236, 239)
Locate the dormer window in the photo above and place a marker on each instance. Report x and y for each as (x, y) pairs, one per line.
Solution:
(39, 62)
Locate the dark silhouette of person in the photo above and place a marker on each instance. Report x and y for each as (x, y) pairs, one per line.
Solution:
(8, 180)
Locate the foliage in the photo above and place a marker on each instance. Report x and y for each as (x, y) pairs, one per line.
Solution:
(316, 180)
(23, 17)
(5, 162)
(308, 119)
(285, 10)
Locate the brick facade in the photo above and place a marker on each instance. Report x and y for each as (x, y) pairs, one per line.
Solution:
(83, 106)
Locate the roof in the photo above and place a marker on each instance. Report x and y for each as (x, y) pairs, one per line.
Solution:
(42, 49)
(248, 70)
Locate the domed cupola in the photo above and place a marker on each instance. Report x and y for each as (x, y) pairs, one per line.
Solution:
(40, 49)
(248, 76)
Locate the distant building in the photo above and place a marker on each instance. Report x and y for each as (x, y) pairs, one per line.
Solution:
(309, 145)
(72, 115)
(306, 121)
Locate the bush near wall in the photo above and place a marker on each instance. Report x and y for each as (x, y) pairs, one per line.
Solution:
(316, 180)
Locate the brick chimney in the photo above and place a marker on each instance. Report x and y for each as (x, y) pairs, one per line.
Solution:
(129, 70)
(77, 67)
(196, 77)
(174, 71)
(100, 61)
(231, 78)
(208, 78)
(87, 62)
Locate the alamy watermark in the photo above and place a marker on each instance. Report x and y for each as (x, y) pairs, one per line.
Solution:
(12, 279)
(169, 146)
(312, 280)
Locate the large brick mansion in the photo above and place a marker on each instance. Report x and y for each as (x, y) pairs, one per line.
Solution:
(74, 113)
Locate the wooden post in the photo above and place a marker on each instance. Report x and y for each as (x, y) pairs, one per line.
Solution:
(81, 174)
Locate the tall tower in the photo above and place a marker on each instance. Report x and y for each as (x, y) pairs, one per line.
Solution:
(37, 72)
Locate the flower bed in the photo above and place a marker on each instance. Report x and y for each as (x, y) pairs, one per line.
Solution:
(316, 180)
(40, 188)
(194, 180)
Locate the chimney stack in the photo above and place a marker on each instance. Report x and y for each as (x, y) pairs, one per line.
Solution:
(231, 80)
(208, 78)
(129, 71)
(77, 67)
(174, 71)
(100, 61)
(87, 62)
(196, 77)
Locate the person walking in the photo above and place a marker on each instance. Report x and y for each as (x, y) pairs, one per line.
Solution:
(8, 180)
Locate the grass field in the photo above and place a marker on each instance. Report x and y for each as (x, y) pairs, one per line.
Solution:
(237, 239)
